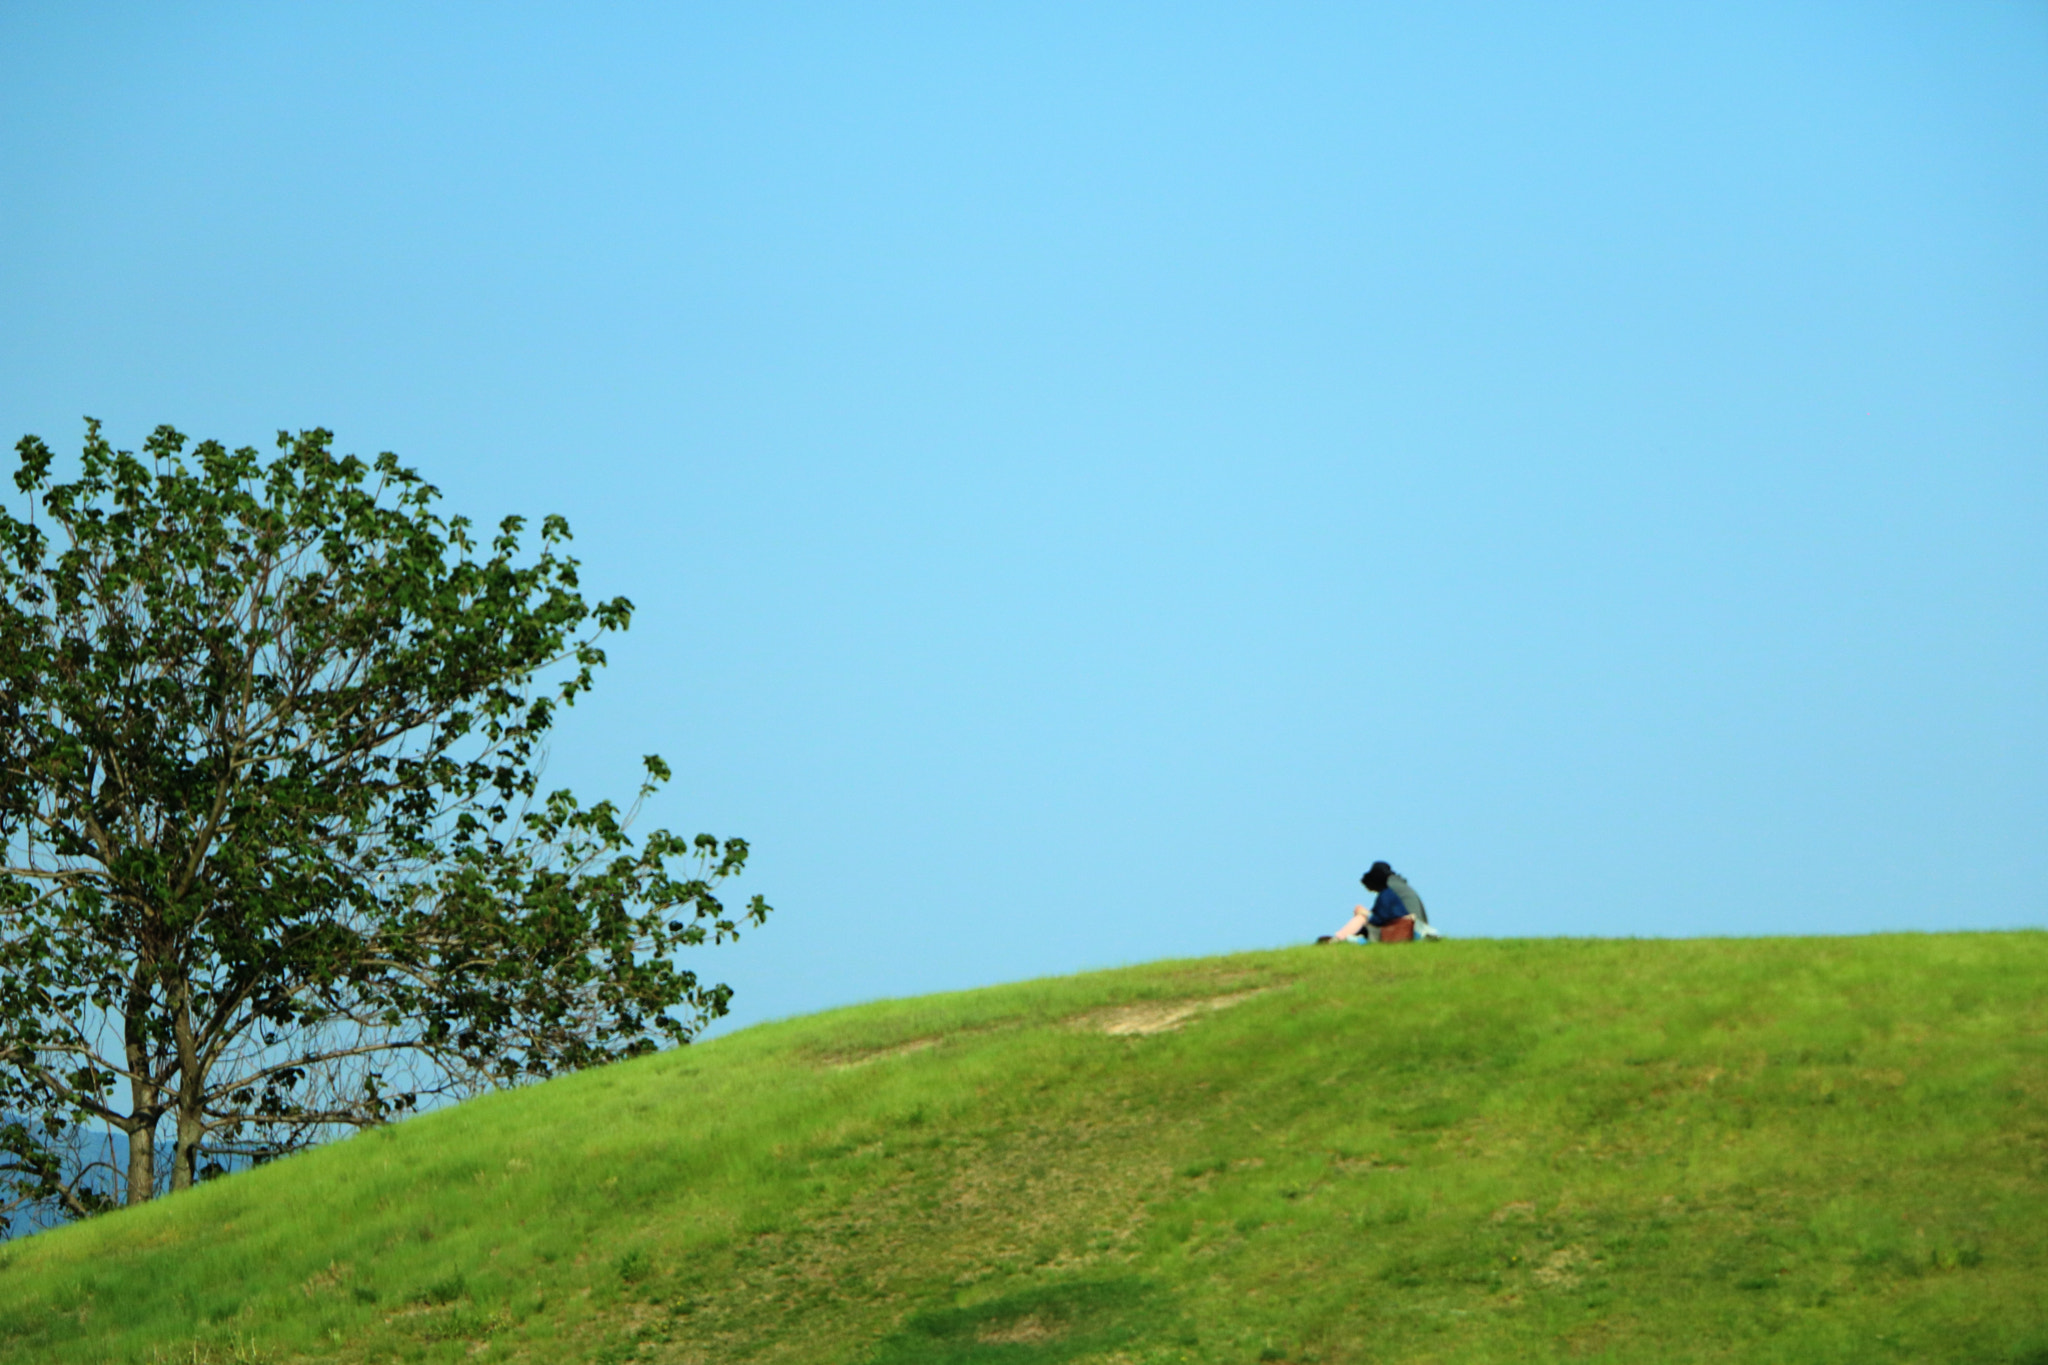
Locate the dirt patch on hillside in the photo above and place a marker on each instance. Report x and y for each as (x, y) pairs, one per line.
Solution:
(1159, 1016)
(841, 1061)
(1121, 1021)
(1023, 1330)
(1561, 1269)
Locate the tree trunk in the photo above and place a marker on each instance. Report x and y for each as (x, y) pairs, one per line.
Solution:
(144, 1104)
(141, 1160)
(186, 1157)
(191, 1094)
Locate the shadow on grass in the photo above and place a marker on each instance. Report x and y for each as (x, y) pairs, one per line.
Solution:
(1039, 1326)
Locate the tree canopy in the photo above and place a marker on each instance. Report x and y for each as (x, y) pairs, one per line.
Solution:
(278, 861)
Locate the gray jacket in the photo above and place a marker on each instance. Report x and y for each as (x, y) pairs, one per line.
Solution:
(1398, 884)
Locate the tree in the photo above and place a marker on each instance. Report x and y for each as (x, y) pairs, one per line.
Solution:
(277, 860)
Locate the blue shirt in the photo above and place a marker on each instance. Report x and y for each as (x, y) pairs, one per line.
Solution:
(1386, 908)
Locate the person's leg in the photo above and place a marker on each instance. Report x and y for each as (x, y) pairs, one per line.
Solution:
(1353, 926)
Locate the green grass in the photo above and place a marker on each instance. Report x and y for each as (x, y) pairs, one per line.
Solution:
(1745, 1150)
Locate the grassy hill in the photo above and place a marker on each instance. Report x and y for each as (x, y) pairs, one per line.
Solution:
(1755, 1150)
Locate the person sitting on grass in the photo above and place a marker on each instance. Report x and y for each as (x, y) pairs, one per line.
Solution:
(1396, 912)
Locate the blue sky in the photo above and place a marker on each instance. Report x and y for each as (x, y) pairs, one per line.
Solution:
(1096, 477)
